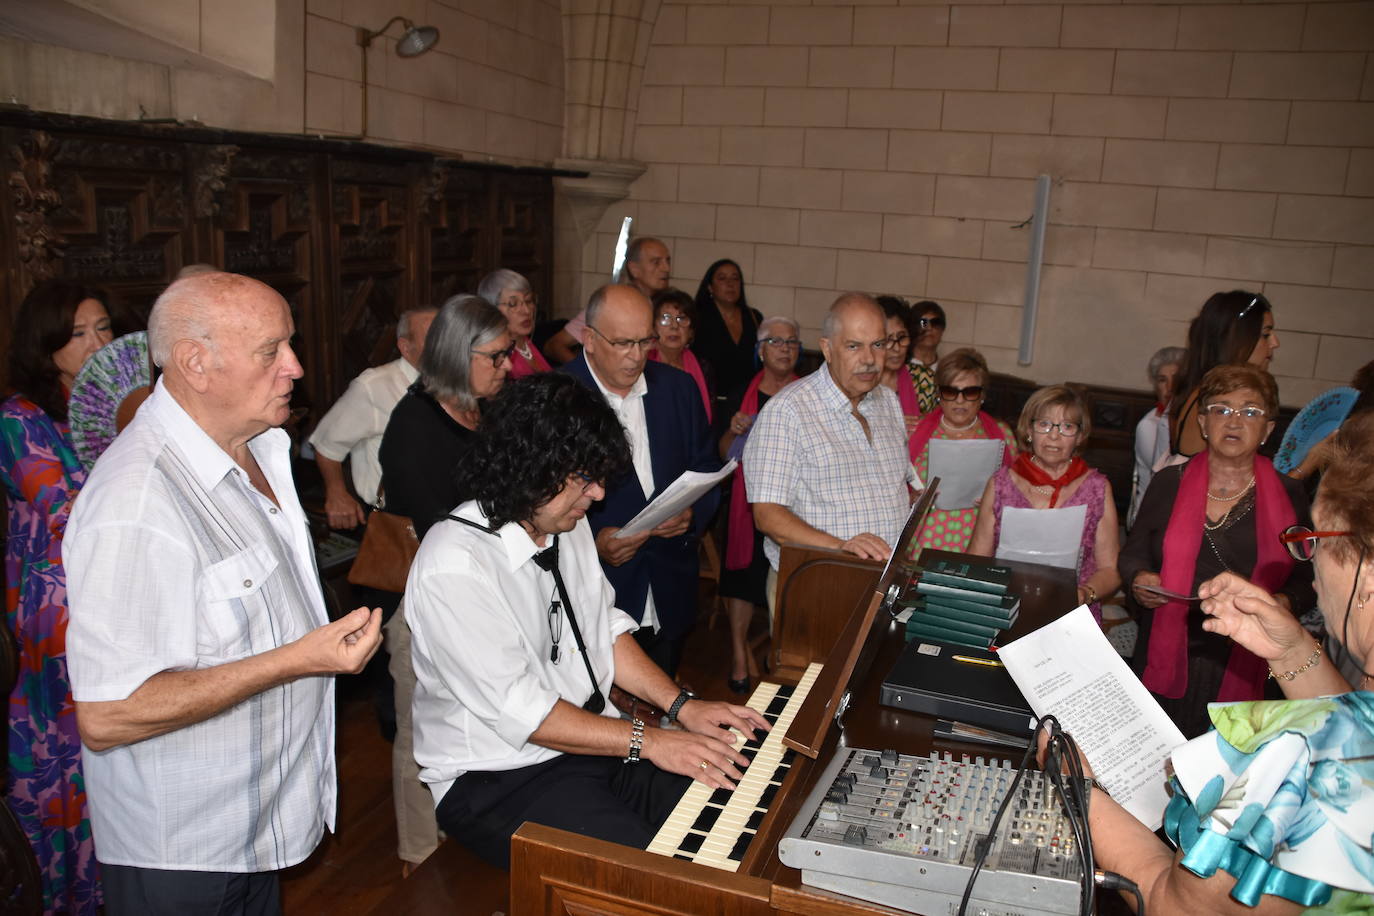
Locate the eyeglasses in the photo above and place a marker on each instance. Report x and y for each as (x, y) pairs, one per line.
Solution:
(1226, 410)
(1066, 428)
(878, 346)
(971, 393)
(496, 356)
(900, 340)
(668, 319)
(586, 482)
(931, 322)
(624, 345)
(514, 302)
(1301, 541)
(555, 628)
(789, 343)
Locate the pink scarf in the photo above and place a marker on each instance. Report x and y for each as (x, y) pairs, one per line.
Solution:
(521, 367)
(739, 532)
(692, 368)
(906, 394)
(1166, 671)
(920, 437)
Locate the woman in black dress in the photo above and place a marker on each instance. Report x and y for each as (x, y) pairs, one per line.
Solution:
(726, 327)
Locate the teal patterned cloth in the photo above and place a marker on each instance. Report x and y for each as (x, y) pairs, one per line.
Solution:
(1280, 795)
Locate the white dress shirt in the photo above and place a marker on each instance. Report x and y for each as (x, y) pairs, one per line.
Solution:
(629, 409)
(353, 427)
(807, 453)
(478, 609)
(176, 562)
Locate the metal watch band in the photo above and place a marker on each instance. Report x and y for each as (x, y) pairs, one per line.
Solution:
(636, 740)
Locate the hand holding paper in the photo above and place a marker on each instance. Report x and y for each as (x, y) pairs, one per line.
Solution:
(681, 494)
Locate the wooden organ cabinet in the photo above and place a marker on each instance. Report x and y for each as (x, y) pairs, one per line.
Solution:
(830, 612)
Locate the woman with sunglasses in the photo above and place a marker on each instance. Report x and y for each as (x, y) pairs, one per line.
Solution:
(1221, 512)
(466, 360)
(1271, 811)
(927, 329)
(674, 313)
(961, 379)
(1055, 426)
(1234, 327)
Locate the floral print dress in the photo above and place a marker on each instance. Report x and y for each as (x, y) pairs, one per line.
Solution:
(951, 529)
(41, 475)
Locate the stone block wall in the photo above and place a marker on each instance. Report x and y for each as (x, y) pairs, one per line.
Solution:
(894, 148)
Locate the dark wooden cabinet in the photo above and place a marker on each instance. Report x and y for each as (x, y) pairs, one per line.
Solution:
(351, 234)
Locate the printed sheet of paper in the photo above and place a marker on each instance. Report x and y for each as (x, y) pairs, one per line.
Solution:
(1068, 669)
(683, 492)
(1050, 536)
(963, 466)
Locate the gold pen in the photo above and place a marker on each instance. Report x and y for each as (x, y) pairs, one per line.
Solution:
(985, 662)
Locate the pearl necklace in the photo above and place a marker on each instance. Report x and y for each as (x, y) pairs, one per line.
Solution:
(1230, 499)
(525, 351)
(944, 424)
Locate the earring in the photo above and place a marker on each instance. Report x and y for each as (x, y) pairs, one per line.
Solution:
(1204, 435)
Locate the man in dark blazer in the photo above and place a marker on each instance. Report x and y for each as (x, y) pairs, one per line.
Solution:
(654, 573)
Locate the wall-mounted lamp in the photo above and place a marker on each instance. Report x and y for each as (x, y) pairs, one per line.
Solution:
(414, 41)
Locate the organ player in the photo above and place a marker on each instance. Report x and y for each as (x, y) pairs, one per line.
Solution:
(517, 642)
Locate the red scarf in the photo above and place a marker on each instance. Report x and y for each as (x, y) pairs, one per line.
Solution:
(1166, 671)
(521, 367)
(1037, 476)
(692, 367)
(906, 394)
(739, 532)
(921, 435)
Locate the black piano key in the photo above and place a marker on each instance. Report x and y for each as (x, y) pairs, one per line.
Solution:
(766, 799)
(720, 797)
(678, 855)
(760, 735)
(780, 772)
(748, 753)
(706, 819)
(754, 821)
(785, 691)
(788, 756)
(775, 708)
(737, 854)
(755, 741)
(692, 842)
(770, 719)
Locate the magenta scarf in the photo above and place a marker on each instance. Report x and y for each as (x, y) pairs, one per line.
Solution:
(1166, 670)
(521, 367)
(692, 367)
(906, 394)
(921, 435)
(739, 532)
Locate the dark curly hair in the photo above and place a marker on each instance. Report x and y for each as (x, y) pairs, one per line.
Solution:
(536, 433)
(42, 326)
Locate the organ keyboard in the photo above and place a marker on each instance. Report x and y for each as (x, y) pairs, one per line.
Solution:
(714, 826)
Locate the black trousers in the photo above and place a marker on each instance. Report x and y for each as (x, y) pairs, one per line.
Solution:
(664, 652)
(131, 891)
(599, 797)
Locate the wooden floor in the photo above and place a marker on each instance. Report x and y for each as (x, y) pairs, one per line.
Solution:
(356, 868)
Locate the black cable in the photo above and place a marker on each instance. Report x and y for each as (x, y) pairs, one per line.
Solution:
(1110, 880)
(1062, 752)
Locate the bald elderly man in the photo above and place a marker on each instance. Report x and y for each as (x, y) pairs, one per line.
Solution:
(200, 654)
(826, 463)
(648, 265)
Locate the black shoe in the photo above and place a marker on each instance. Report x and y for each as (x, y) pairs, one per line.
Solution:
(740, 686)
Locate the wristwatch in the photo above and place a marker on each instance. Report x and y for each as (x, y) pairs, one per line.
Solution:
(682, 697)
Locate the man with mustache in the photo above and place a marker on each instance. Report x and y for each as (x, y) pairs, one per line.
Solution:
(826, 463)
(200, 653)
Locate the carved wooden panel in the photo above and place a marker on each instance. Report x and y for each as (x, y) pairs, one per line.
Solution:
(523, 223)
(459, 235)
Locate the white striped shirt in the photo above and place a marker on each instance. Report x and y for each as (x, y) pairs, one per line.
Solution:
(176, 562)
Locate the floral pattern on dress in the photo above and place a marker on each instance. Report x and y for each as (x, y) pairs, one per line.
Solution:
(41, 475)
(1281, 796)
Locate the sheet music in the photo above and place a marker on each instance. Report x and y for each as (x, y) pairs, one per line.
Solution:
(963, 466)
(1067, 668)
(1050, 536)
(683, 492)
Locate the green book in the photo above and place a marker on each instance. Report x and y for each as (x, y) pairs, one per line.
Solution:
(951, 637)
(993, 579)
(931, 589)
(1004, 612)
(940, 609)
(934, 618)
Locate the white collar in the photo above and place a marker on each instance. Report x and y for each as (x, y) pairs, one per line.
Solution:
(208, 461)
(516, 541)
(637, 390)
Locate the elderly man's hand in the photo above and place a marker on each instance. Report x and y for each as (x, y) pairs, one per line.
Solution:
(618, 551)
(341, 647)
(674, 526)
(868, 546)
(343, 512)
(707, 758)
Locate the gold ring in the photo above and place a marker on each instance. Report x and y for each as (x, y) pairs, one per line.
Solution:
(705, 765)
